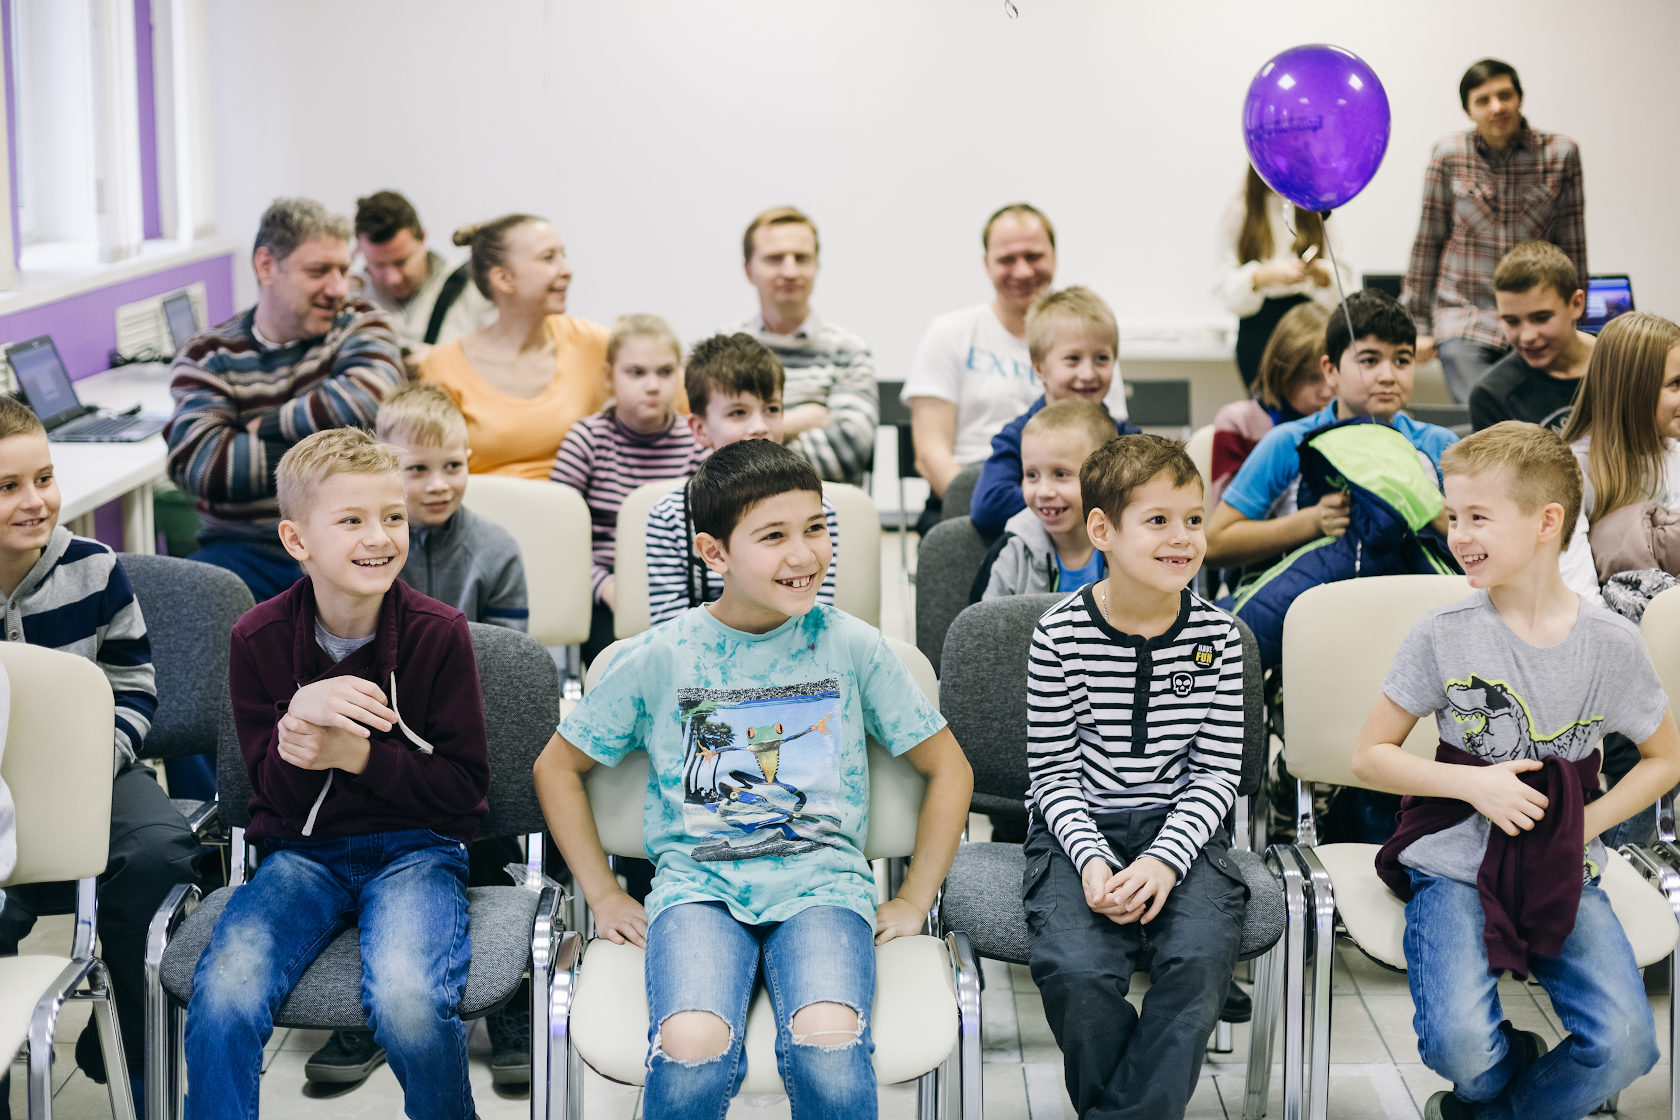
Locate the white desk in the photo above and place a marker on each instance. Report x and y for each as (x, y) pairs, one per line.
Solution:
(91, 474)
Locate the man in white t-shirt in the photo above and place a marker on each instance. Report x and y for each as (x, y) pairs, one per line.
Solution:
(972, 374)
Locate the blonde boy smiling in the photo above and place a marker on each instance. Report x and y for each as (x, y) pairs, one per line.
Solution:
(1045, 547)
(1496, 851)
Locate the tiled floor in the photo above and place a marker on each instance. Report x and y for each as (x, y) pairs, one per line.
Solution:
(1375, 1072)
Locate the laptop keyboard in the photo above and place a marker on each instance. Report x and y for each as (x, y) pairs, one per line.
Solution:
(109, 429)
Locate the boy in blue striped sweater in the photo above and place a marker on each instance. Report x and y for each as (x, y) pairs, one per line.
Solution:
(1134, 748)
(68, 593)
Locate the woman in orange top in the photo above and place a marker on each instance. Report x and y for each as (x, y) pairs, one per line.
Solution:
(525, 379)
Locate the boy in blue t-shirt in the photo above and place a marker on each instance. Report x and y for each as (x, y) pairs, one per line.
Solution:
(1257, 518)
(753, 710)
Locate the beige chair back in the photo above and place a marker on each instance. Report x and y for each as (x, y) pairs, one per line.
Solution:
(630, 579)
(618, 794)
(1200, 449)
(57, 763)
(550, 522)
(857, 576)
(1339, 640)
(1660, 626)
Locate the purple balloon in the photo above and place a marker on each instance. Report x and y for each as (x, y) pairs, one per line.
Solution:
(1316, 125)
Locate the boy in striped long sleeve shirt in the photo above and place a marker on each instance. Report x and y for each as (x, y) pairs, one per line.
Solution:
(1135, 701)
(734, 387)
(304, 359)
(70, 594)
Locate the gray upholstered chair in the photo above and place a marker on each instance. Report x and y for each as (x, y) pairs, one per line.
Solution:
(513, 929)
(190, 610)
(946, 564)
(960, 493)
(983, 694)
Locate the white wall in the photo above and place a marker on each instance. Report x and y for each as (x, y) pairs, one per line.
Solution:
(652, 130)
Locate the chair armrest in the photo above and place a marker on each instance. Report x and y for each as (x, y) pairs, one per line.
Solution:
(177, 906)
(205, 817)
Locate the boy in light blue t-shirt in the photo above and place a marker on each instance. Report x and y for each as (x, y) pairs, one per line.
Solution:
(754, 711)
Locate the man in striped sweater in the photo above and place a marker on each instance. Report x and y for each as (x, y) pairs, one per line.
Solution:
(304, 359)
(831, 396)
(67, 593)
(1135, 735)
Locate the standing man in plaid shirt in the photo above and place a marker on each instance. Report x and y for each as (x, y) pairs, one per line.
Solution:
(1486, 191)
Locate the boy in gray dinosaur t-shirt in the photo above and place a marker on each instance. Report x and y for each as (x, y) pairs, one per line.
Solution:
(1524, 678)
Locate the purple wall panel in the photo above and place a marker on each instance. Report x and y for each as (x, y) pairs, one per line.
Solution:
(85, 325)
(151, 216)
(11, 128)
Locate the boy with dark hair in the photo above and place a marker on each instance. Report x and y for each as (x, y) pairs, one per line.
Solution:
(1524, 678)
(71, 594)
(1134, 749)
(361, 722)
(1540, 300)
(753, 711)
(1257, 518)
(734, 386)
(1486, 190)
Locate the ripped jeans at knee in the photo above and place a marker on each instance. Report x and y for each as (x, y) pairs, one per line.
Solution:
(703, 967)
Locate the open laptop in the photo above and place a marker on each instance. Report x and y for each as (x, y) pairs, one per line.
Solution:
(178, 313)
(1608, 296)
(45, 386)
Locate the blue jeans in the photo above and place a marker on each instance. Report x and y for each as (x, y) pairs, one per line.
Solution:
(407, 892)
(700, 958)
(1595, 989)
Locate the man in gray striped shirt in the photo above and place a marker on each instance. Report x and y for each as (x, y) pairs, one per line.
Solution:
(1134, 748)
(830, 393)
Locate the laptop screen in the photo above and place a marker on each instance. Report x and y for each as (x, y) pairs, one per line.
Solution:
(1607, 297)
(44, 380)
(182, 320)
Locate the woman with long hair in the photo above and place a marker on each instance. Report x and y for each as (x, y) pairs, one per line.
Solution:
(1273, 258)
(525, 379)
(1625, 431)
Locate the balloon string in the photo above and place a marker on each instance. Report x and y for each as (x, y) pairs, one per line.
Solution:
(1336, 272)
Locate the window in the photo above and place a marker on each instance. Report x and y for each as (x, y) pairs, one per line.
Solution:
(112, 128)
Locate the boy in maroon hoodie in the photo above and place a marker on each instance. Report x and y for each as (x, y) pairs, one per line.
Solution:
(362, 727)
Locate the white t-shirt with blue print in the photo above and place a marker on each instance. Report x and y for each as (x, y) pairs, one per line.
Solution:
(758, 792)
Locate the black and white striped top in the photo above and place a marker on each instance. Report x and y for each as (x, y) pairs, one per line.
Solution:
(1117, 722)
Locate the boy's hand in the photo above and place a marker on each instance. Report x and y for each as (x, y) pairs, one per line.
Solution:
(309, 746)
(897, 918)
(609, 593)
(343, 702)
(620, 918)
(1503, 798)
(1094, 879)
(1140, 890)
(1331, 514)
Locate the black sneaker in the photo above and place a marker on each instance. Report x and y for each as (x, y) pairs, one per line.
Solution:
(347, 1059)
(510, 1041)
(1238, 1007)
(90, 1059)
(1532, 1046)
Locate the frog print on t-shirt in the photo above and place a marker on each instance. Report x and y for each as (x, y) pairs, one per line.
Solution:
(761, 769)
